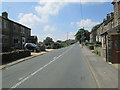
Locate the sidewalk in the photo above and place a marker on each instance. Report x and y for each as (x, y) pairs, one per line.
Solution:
(106, 75)
(33, 54)
(117, 66)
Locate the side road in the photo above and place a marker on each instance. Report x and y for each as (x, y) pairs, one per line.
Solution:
(101, 70)
(26, 58)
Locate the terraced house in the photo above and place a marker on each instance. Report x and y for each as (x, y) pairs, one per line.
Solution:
(108, 33)
(14, 35)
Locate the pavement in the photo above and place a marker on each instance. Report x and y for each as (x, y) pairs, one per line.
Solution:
(117, 66)
(33, 54)
(70, 67)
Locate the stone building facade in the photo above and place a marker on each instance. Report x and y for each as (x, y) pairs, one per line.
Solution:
(14, 35)
(93, 36)
(108, 34)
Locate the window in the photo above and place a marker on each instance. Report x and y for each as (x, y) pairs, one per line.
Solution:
(22, 30)
(5, 24)
(15, 40)
(117, 44)
(112, 24)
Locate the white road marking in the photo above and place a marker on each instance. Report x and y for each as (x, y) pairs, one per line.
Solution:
(29, 76)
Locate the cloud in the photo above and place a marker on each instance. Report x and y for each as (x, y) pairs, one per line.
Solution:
(74, 1)
(43, 37)
(56, 0)
(30, 19)
(70, 35)
(44, 10)
(48, 8)
(56, 37)
(87, 23)
(63, 37)
(49, 28)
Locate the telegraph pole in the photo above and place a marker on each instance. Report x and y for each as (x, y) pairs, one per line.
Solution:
(67, 35)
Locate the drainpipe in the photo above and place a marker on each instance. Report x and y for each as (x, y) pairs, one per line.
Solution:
(106, 47)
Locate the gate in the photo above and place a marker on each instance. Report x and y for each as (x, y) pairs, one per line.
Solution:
(115, 58)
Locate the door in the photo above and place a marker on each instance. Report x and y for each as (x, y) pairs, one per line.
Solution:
(115, 48)
(23, 41)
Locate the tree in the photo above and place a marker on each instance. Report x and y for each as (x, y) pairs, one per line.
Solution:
(95, 27)
(48, 41)
(82, 35)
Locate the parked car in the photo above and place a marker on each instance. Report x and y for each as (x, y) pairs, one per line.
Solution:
(31, 46)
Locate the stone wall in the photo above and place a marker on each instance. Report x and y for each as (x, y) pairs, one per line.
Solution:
(101, 50)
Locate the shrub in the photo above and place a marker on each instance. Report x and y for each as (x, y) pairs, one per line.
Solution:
(89, 43)
(96, 52)
(91, 47)
(48, 46)
(42, 48)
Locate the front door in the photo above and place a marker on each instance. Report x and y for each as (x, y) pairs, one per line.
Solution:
(23, 41)
(115, 48)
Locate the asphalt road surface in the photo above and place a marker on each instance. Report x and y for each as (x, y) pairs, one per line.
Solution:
(62, 68)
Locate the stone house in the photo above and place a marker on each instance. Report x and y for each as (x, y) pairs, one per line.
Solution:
(93, 35)
(109, 34)
(108, 24)
(14, 35)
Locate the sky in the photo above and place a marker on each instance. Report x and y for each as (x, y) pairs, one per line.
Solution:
(55, 18)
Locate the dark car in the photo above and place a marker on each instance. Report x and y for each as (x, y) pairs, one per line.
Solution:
(32, 47)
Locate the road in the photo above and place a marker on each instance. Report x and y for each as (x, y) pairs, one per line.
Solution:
(62, 68)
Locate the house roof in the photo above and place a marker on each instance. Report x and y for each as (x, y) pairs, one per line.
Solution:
(114, 1)
(14, 22)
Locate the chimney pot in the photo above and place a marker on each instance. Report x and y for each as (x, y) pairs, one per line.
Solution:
(5, 15)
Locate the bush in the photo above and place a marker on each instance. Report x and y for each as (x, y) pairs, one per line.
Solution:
(89, 43)
(97, 52)
(48, 46)
(56, 45)
(98, 44)
(91, 47)
(42, 48)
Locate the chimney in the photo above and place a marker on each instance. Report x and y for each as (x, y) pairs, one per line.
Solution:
(5, 15)
(108, 17)
(111, 15)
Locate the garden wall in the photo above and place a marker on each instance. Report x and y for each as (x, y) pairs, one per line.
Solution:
(14, 55)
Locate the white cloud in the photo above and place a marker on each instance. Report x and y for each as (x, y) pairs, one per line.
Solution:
(55, 37)
(70, 35)
(48, 8)
(57, 0)
(49, 28)
(74, 1)
(72, 23)
(87, 24)
(43, 37)
(30, 19)
(45, 9)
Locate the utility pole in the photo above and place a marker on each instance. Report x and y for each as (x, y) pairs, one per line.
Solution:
(67, 35)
